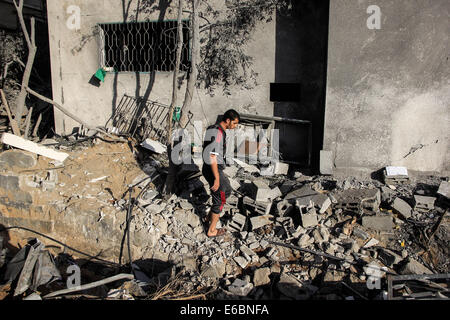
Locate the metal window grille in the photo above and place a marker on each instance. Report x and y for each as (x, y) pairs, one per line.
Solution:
(141, 118)
(143, 46)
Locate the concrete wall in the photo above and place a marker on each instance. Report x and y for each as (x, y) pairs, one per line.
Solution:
(74, 55)
(388, 90)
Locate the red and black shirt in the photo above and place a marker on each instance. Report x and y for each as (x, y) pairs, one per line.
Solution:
(215, 143)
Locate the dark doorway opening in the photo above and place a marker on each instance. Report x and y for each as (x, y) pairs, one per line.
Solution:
(301, 62)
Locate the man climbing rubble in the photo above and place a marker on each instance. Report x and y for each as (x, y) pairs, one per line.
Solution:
(214, 150)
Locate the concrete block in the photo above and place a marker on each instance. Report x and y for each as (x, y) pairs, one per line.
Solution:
(444, 189)
(260, 191)
(402, 207)
(309, 220)
(239, 218)
(380, 223)
(281, 168)
(30, 146)
(260, 221)
(326, 162)
(423, 203)
(240, 287)
(283, 208)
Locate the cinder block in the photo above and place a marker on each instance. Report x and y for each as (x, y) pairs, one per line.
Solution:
(260, 191)
(423, 203)
(281, 168)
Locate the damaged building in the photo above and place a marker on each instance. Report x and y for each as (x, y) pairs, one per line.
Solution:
(355, 206)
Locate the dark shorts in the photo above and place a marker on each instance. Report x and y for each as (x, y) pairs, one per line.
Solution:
(218, 197)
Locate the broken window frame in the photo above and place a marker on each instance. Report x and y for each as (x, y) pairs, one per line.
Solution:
(269, 123)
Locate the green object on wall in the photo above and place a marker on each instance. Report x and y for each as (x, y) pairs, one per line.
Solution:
(100, 74)
(176, 114)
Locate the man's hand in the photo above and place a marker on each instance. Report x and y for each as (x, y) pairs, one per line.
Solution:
(216, 185)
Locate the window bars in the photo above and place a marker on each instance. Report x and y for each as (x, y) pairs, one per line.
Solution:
(142, 46)
(141, 118)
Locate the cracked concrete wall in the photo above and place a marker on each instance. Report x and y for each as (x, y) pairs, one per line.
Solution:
(388, 89)
(75, 58)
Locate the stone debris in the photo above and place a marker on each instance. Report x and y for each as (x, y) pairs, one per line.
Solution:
(356, 222)
(154, 146)
(402, 207)
(444, 189)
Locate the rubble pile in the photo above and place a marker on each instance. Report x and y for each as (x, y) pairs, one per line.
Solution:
(290, 236)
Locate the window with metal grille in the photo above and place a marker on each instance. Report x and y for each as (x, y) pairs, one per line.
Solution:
(142, 46)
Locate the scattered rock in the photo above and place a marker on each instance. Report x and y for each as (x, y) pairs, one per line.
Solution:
(261, 277)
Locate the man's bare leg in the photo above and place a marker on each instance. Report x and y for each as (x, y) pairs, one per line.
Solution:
(212, 231)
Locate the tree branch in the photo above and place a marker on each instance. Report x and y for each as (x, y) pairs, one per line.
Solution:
(67, 113)
(19, 9)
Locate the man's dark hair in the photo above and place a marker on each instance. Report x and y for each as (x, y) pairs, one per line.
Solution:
(231, 114)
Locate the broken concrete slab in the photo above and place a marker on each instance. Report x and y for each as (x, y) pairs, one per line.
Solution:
(326, 162)
(230, 171)
(387, 194)
(154, 146)
(444, 189)
(402, 207)
(378, 222)
(275, 193)
(303, 192)
(247, 167)
(388, 257)
(414, 267)
(261, 277)
(372, 242)
(234, 184)
(287, 186)
(21, 143)
(424, 204)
